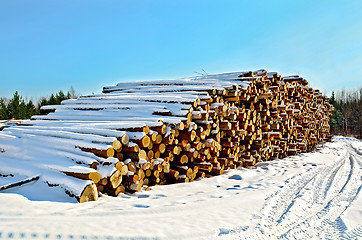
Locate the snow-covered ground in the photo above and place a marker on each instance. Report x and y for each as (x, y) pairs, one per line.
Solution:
(311, 196)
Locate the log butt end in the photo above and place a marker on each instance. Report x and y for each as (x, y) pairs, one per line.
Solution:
(90, 193)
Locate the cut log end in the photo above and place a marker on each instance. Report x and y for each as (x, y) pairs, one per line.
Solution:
(124, 139)
(95, 177)
(90, 193)
(116, 179)
(120, 166)
(110, 152)
(117, 145)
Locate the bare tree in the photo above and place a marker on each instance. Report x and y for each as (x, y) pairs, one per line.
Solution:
(349, 103)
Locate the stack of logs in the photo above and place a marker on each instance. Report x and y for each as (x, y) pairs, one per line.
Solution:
(202, 127)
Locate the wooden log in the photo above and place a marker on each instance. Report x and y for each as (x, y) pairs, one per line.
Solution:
(183, 179)
(145, 129)
(119, 189)
(136, 186)
(94, 176)
(20, 183)
(117, 145)
(123, 168)
(160, 129)
(159, 139)
(131, 147)
(150, 146)
(217, 170)
(115, 179)
(99, 152)
(182, 159)
(89, 193)
(143, 142)
(150, 154)
(131, 166)
(203, 166)
(152, 135)
(186, 135)
(141, 154)
(143, 164)
(184, 170)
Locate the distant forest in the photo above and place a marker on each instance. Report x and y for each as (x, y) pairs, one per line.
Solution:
(18, 108)
(347, 114)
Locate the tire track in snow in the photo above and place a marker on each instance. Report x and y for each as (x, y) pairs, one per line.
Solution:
(310, 205)
(354, 234)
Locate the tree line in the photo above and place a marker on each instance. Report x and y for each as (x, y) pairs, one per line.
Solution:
(347, 114)
(19, 108)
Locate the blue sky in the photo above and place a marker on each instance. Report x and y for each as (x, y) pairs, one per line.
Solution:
(46, 46)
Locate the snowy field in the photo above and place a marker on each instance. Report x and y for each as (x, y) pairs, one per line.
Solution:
(311, 196)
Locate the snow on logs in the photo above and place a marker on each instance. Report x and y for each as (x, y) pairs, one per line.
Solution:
(146, 133)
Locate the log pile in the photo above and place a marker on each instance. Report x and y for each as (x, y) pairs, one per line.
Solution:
(141, 134)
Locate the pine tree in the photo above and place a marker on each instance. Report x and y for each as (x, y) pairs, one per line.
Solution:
(52, 100)
(43, 101)
(22, 110)
(30, 109)
(18, 108)
(337, 119)
(13, 110)
(332, 100)
(3, 110)
(61, 96)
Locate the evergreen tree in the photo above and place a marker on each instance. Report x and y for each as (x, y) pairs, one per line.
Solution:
(60, 97)
(22, 110)
(336, 121)
(3, 110)
(30, 109)
(332, 100)
(43, 101)
(13, 109)
(18, 108)
(52, 100)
